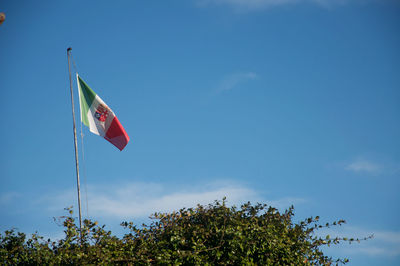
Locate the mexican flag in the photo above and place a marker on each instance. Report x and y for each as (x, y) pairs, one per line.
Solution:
(100, 119)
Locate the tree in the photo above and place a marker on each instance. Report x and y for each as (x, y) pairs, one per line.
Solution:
(205, 235)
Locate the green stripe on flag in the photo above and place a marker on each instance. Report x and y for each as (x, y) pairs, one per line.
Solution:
(86, 99)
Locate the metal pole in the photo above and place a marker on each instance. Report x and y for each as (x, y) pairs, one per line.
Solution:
(76, 145)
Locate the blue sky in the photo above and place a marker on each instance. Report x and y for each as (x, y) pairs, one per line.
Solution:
(281, 102)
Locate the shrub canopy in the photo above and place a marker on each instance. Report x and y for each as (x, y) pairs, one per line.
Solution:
(205, 235)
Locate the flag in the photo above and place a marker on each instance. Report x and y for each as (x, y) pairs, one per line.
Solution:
(100, 119)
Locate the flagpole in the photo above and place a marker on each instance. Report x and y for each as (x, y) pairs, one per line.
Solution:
(76, 145)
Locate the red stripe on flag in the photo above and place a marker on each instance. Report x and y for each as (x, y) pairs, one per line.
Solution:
(117, 135)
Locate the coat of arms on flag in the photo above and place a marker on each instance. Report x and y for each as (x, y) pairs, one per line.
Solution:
(101, 113)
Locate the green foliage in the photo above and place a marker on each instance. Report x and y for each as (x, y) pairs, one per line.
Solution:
(206, 235)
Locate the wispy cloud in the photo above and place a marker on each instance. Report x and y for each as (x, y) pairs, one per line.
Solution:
(251, 5)
(363, 166)
(142, 199)
(125, 204)
(388, 236)
(246, 4)
(135, 200)
(372, 164)
(383, 243)
(231, 81)
(376, 251)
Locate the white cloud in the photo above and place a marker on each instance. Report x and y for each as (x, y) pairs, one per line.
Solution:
(388, 236)
(142, 199)
(361, 165)
(231, 81)
(376, 251)
(250, 5)
(123, 203)
(139, 200)
(247, 4)
(383, 243)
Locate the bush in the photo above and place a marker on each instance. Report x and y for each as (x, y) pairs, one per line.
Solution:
(205, 235)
